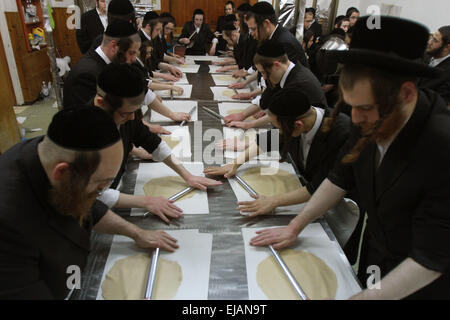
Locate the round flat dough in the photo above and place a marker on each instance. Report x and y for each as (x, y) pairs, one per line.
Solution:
(175, 93)
(228, 93)
(225, 78)
(171, 141)
(127, 279)
(270, 184)
(239, 110)
(166, 187)
(317, 280)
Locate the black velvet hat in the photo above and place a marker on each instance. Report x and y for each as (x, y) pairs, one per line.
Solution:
(83, 128)
(289, 103)
(271, 49)
(245, 7)
(150, 15)
(229, 26)
(120, 29)
(120, 7)
(262, 8)
(398, 47)
(121, 80)
(229, 18)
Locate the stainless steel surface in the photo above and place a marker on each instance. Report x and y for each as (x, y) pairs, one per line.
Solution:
(298, 289)
(335, 43)
(152, 275)
(228, 276)
(246, 186)
(286, 15)
(300, 19)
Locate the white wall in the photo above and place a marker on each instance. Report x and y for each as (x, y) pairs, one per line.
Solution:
(432, 13)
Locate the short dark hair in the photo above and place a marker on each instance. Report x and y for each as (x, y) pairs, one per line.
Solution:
(445, 32)
(260, 18)
(311, 10)
(166, 18)
(230, 2)
(339, 19)
(350, 11)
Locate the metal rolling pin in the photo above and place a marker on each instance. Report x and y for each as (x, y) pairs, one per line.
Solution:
(289, 275)
(152, 275)
(246, 186)
(190, 113)
(215, 114)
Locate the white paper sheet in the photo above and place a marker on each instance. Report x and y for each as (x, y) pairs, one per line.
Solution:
(175, 106)
(201, 58)
(198, 204)
(214, 68)
(229, 80)
(183, 150)
(188, 67)
(193, 255)
(225, 107)
(165, 94)
(271, 165)
(183, 80)
(217, 91)
(312, 239)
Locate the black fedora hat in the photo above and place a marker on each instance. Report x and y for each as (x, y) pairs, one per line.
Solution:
(397, 46)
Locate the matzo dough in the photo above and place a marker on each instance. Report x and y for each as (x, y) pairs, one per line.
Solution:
(175, 93)
(317, 280)
(166, 187)
(127, 279)
(171, 141)
(270, 184)
(239, 110)
(225, 78)
(228, 93)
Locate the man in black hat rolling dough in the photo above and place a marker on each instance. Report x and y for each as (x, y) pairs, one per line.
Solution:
(197, 35)
(396, 158)
(49, 184)
(120, 92)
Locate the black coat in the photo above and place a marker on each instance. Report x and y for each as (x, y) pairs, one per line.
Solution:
(37, 244)
(407, 197)
(250, 47)
(91, 27)
(291, 45)
(239, 50)
(442, 84)
(303, 79)
(202, 39)
(81, 83)
(221, 22)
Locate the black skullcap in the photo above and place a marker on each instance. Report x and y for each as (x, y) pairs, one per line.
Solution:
(289, 102)
(271, 49)
(120, 29)
(120, 7)
(83, 128)
(245, 7)
(229, 18)
(151, 15)
(121, 80)
(262, 8)
(229, 26)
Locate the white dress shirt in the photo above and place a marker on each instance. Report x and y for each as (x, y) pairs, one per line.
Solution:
(307, 138)
(434, 62)
(285, 75)
(103, 19)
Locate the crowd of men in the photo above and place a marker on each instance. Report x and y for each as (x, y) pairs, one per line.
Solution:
(374, 129)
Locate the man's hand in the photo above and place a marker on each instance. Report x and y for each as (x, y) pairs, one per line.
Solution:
(259, 114)
(202, 183)
(243, 96)
(168, 77)
(176, 72)
(179, 60)
(262, 205)
(241, 124)
(180, 116)
(239, 74)
(237, 85)
(278, 237)
(234, 117)
(228, 170)
(233, 144)
(185, 40)
(156, 128)
(162, 208)
(156, 239)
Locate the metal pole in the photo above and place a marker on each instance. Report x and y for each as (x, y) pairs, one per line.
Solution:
(52, 55)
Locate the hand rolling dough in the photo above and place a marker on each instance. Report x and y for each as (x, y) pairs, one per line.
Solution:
(225, 78)
(270, 184)
(317, 280)
(239, 110)
(127, 279)
(228, 93)
(166, 187)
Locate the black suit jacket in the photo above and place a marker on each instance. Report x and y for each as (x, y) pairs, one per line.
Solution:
(37, 244)
(300, 78)
(81, 83)
(250, 47)
(291, 45)
(407, 197)
(442, 84)
(202, 39)
(91, 27)
(222, 45)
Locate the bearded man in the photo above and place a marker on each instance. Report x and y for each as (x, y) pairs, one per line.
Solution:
(396, 158)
